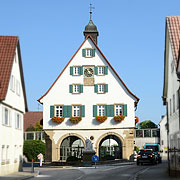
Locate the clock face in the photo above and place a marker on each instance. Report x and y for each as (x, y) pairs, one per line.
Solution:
(88, 72)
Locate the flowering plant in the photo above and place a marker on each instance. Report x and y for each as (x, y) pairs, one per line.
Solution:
(57, 119)
(119, 118)
(136, 119)
(75, 119)
(101, 118)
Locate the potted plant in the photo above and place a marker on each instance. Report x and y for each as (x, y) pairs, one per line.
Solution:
(119, 118)
(101, 118)
(75, 119)
(57, 119)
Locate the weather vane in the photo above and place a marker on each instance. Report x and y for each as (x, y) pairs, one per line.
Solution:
(91, 10)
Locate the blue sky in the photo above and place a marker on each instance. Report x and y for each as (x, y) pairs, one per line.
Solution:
(131, 36)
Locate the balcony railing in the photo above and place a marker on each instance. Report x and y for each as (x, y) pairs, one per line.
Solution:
(34, 135)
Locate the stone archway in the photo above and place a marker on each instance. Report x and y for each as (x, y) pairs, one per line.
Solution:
(110, 144)
(71, 145)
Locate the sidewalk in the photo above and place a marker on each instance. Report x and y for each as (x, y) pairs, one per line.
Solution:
(158, 172)
(26, 174)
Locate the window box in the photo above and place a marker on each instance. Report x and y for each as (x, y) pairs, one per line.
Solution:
(119, 118)
(101, 119)
(75, 119)
(57, 119)
(136, 119)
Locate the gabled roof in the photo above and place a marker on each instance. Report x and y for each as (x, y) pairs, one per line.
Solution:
(137, 99)
(173, 28)
(8, 46)
(31, 118)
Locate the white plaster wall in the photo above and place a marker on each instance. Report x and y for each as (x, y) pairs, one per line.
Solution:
(59, 94)
(9, 135)
(173, 86)
(163, 137)
(12, 98)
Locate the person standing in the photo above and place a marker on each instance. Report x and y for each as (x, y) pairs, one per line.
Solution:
(40, 157)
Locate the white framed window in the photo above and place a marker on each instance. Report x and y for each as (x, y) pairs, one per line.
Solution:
(118, 109)
(101, 110)
(12, 83)
(101, 88)
(17, 87)
(76, 88)
(18, 121)
(101, 70)
(58, 111)
(6, 116)
(89, 52)
(76, 111)
(76, 70)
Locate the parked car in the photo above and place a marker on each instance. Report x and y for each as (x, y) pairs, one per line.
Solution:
(146, 156)
(156, 150)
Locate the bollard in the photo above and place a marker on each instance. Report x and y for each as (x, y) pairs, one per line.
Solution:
(32, 166)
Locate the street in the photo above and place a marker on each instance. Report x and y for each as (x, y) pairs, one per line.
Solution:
(105, 172)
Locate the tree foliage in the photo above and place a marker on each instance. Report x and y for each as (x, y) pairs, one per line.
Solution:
(37, 127)
(32, 148)
(147, 124)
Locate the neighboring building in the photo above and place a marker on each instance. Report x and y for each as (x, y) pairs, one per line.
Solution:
(146, 136)
(171, 89)
(163, 137)
(13, 105)
(30, 120)
(88, 88)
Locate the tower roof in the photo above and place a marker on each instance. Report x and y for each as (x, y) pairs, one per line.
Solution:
(90, 28)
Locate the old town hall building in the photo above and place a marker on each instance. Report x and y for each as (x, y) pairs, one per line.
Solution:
(88, 100)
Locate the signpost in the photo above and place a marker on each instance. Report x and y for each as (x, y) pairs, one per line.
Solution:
(95, 159)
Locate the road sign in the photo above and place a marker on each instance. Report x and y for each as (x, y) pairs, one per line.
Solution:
(95, 158)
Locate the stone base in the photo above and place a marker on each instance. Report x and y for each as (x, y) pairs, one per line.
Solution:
(87, 158)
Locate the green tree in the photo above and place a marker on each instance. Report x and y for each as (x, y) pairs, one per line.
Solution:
(38, 126)
(147, 124)
(30, 128)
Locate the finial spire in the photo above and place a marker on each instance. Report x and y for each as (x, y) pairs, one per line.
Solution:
(91, 11)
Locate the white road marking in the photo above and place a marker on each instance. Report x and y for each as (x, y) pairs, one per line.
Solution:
(43, 175)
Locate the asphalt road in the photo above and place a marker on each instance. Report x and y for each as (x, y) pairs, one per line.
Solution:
(110, 172)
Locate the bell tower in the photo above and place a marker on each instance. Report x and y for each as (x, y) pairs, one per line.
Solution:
(91, 29)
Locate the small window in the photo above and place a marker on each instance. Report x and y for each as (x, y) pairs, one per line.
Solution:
(147, 133)
(12, 83)
(18, 121)
(118, 109)
(101, 110)
(88, 52)
(101, 88)
(76, 88)
(59, 111)
(101, 70)
(17, 87)
(76, 111)
(155, 133)
(76, 70)
(139, 133)
(6, 116)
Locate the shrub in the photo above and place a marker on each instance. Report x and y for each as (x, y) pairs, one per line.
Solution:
(32, 148)
(136, 148)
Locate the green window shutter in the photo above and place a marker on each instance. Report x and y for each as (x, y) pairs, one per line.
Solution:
(51, 111)
(95, 88)
(106, 70)
(70, 88)
(95, 70)
(83, 52)
(81, 70)
(110, 110)
(82, 111)
(125, 109)
(71, 70)
(67, 111)
(81, 88)
(93, 52)
(94, 110)
(106, 87)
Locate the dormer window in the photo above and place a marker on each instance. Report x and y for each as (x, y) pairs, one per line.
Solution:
(88, 52)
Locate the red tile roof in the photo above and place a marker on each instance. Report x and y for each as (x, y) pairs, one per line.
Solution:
(30, 118)
(8, 46)
(137, 99)
(173, 27)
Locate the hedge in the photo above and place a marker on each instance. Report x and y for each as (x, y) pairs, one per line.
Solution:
(32, 148)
